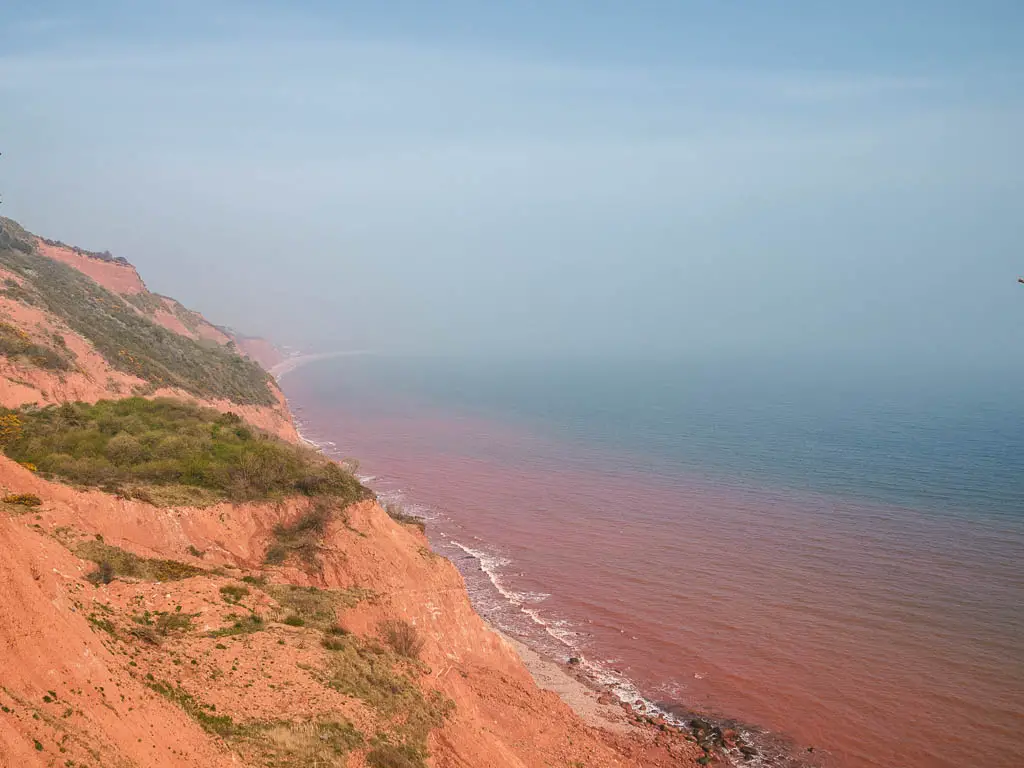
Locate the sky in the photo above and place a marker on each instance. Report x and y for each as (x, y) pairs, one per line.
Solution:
(663, 179)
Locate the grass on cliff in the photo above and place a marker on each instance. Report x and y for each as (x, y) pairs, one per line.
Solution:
(278, 743)
(397, 514)
(16, 345)
(383, 680)
(143, 448)
(114, 562)
(128, 339)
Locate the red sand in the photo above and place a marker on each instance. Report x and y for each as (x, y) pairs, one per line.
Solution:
(114, 276)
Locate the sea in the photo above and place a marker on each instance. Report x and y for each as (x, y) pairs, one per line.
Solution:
(827, 556)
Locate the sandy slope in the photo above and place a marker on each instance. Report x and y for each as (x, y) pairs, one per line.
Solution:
(114, 276)
(501, 718)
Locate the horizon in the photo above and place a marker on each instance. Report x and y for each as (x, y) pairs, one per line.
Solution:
(684, 182)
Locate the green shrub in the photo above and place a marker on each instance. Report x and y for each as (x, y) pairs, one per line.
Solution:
(12, 289)
(104, 573)
(245, 626)
(313, 606)
(173, 622)
(367, 671)
(294, 620)
(276, 554)
(402, 637)
(136, 445)
(301, 538)
(16, 344)
(114, 562)
(233, 593)
(221, 725)
(321, 744)
(124, 449)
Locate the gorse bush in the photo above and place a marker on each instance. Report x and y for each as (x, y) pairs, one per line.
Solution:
(128, 340)
(16, 344)
(23, 499)
(148, 444)
(10, 428)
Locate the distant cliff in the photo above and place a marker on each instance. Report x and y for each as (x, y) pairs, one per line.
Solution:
(78, 326)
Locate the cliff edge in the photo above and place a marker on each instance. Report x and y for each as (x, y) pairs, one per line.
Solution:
(183, 583)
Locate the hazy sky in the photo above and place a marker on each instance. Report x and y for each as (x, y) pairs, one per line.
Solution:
(539, 177)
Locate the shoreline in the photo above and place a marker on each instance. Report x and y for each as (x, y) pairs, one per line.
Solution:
(584, 696)
(599, 704)
(586, 701)
(297, 361)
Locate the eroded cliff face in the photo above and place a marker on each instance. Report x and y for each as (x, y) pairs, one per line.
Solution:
(95, 674)
(116, 276)
(259, 634)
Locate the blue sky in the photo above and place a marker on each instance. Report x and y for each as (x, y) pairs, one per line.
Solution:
(651, 178)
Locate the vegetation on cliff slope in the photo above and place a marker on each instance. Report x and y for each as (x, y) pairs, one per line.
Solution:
(128, 339)
(16, 344)
(146, 447)
(150, 303)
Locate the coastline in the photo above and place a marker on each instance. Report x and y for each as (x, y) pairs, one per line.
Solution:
(294, 362)
(596, 709)
(618, 709)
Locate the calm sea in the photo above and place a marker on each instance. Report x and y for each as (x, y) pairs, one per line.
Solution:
(831, 554)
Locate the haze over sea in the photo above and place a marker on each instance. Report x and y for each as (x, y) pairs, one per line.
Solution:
(809, 516)
(832, 553)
